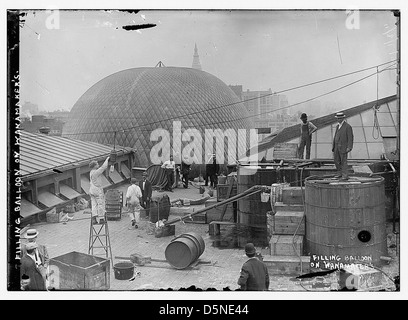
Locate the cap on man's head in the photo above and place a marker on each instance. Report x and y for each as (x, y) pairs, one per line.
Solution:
(303, 116)
(340, 115)
(249, 248)
(31, 233)
(31, 246)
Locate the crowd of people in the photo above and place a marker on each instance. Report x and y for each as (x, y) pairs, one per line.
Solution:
(254, 273)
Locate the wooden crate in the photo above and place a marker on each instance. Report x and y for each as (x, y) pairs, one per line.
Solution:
(280, 206)
(288, 222)
(79, 271)
(287, 265)
(222, 191)
(292, 195)
(281, 245)
(199, 218)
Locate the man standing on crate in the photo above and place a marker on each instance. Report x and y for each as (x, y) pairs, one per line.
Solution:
(96, 191)
(133, 198)
(146, 187)
(254, 274)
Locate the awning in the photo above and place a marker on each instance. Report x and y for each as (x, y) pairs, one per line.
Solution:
(49, 199)
(125, 170)
(28, 208)
(85, 184)
(68, 192)
(115, 176)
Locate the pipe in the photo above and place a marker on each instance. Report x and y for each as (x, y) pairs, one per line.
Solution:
(253, 190)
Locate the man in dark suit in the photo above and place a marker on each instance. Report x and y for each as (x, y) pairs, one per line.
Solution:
(40, 252)
(212, 169)
(185, 171)
(146, 187)
(342, 145)
(29, 268)
(254, 274)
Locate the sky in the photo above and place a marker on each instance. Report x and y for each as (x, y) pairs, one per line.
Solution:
(258, 49)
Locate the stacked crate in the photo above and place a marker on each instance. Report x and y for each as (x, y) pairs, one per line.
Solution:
(288, 231)
(114, 204)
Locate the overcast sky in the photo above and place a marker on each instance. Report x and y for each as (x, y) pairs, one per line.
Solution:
(258, 49)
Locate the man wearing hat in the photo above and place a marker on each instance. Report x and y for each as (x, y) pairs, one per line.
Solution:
(306, 130)
(254, 274)
(146, 187)
(211, 171)
(170, 168)
(185, 170)
(29, 268)
(96, 191)
(40, 254)
(342, 145)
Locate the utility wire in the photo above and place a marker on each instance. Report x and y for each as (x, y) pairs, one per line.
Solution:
(250, 99)
(301, 102)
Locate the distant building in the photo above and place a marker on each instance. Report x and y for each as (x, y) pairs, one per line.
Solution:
(28, 109)
(43, 124)
(269, 111)
(196, 59)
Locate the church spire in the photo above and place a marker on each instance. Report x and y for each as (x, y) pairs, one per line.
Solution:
(196, 59)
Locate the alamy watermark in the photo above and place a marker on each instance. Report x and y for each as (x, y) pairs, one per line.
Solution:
(190, 145)
(353, 19)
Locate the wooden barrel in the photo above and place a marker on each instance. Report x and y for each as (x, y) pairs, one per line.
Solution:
(346, 220)
(251, 210)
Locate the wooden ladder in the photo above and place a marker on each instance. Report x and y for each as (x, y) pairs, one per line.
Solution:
(100, 233)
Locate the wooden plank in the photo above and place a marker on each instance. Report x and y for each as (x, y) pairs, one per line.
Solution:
(292, 195)
(224, 208)
(362, 169)
(285, 151)
(288, 222)
(282, 245)
(280, 206)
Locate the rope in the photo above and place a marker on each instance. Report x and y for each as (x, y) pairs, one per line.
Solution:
(376, 125)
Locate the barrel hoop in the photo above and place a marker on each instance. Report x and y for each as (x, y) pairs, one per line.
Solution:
(343, 246)
(343, 186)
(346, 227)
(365, 207)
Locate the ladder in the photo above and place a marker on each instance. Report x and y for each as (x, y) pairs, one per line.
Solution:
(100, 233)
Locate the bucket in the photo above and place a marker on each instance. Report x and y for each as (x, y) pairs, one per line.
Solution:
(123, 270)
(185, 249)
(347, 221)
